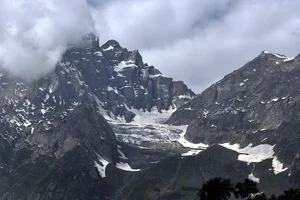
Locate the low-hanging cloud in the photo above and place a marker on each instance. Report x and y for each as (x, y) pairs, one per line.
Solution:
(195, 41)
(35, 33)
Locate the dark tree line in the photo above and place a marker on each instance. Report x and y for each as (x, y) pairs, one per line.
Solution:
(223, 189)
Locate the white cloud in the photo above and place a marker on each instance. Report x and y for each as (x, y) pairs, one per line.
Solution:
(35, 33)
(196, 41)
(201, 41)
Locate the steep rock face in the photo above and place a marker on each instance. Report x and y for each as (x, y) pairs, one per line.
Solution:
(258, 103)
(55, 142)
(119, 78)
(60, 162)
(52, 130)
(110, 77)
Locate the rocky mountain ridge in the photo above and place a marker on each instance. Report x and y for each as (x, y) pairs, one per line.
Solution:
(59, 122)
(109, 122)
(256, 106)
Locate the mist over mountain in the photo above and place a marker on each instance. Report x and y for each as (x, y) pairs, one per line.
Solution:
(106, 120)
(35, 34)
(194, 32)
(85, 115)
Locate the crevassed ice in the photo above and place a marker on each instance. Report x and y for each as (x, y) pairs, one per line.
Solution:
(156, 119)
(153, 119)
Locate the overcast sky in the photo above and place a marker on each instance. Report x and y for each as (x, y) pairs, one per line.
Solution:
(197, 41)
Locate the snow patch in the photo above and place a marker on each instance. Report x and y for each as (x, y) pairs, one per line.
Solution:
(251, 154)
(186, 96)
(277, 166)
(213, 126)
(101, 164)
(46, 97)
(109, 48)
(126, 167)
(264, 139)
(205, 113)
(112, 89)
(43, 111)
(101, 110)
(188, 144)
(253, 178)
(122, 155)
(122, 65)
(189, 108)
(26, 123)
(273, 100)
(98, 53)
(257, 154)
(192, 152)
(285, 58)
(158, 75)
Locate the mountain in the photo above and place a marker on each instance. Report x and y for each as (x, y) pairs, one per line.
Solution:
(106, 125)
(56, 142)
(253, 111)
(179, 178)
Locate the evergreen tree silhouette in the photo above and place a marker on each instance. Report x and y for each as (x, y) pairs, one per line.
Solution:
(221, 189)
(272, 197)
(290, 194)
(245, 189)
(216, 189)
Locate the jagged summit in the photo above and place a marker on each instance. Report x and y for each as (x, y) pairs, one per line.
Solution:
(285, 58)
(95, 127)
(125, 79)
(59, 122)
(89, 41)
(112, 44)
(117, 80)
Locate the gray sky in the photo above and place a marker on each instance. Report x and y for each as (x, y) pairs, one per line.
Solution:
(197, 41)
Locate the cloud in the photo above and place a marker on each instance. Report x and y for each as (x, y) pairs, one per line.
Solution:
(35, 33)
(200, 41)
(154, 23)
